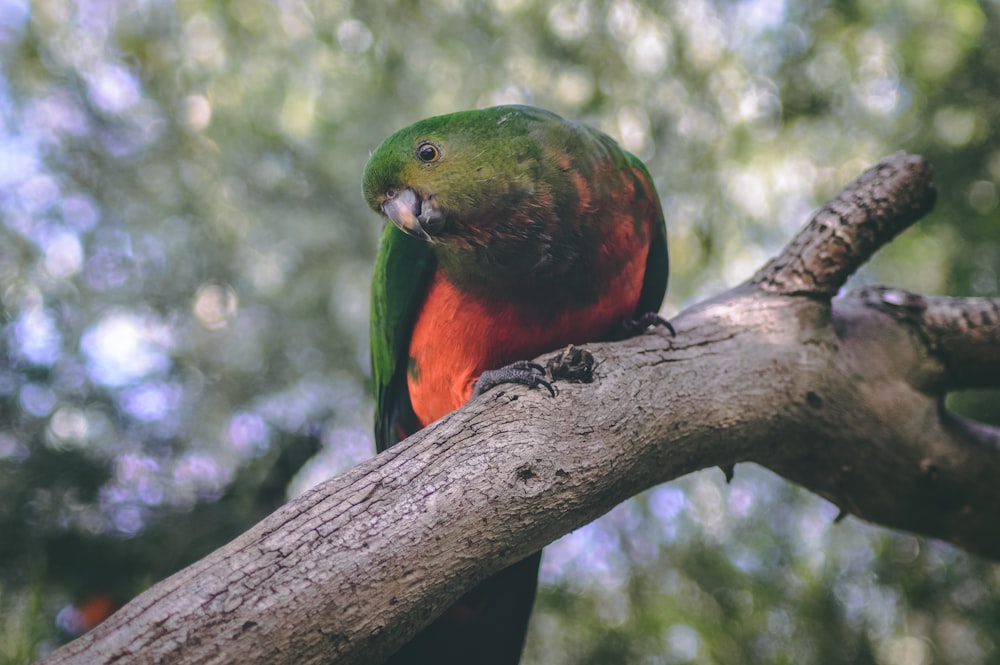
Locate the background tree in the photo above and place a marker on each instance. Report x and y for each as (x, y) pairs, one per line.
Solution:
(185, 257)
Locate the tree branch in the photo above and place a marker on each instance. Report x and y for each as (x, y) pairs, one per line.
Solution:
(867, 214)
(837, 396)
(963, 332)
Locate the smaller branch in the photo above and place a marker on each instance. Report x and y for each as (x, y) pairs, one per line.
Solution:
(874, 208)
(964, 333)
(973, 433)
(881, 444)
(967, 330)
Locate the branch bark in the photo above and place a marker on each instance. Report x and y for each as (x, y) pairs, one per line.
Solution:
(836, 395)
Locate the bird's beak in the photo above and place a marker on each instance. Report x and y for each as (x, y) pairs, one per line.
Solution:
(411, 214)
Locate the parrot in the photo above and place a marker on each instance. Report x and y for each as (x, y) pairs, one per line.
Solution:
(511, 232)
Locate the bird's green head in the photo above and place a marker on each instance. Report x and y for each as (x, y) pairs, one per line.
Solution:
(440, 178)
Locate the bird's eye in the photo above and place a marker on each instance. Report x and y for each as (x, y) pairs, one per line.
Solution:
(427, 152)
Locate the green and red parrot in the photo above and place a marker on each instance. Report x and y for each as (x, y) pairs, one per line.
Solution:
(514, 232)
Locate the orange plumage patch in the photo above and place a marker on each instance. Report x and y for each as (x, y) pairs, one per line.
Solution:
(95, 609)
(457, 336)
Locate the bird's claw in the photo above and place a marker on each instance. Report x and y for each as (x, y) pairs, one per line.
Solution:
(632, 327)
(572, 364)
(522, 372)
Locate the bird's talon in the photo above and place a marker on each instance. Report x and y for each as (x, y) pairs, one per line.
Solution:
(572, 364)
(632, 327)
(522, 372)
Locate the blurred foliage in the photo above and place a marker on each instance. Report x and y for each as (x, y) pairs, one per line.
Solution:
(185, 259)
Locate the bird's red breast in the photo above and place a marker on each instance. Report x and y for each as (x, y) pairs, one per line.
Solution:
(458, 335)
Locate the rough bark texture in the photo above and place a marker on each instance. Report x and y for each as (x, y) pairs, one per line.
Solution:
(868, 213)
(843, 397)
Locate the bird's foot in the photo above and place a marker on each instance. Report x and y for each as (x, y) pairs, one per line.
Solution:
(632, 327)
(522, 372)
(573, 364)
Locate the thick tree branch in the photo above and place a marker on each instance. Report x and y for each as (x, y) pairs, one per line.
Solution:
(843, 397)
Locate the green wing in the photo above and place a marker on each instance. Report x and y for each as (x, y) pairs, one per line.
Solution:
(654, 282)
(403, 268)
